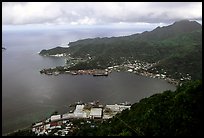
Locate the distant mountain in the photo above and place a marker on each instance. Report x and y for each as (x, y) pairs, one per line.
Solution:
(177, 28)
(178, 47)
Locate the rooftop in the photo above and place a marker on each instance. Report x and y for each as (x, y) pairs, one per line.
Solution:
(96, 111)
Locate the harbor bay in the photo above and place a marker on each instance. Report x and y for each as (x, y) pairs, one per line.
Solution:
(28, 96)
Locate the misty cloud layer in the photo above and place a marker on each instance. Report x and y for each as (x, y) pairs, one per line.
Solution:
(84, 13)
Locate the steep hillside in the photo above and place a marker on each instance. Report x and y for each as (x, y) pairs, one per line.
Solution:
(165, 32)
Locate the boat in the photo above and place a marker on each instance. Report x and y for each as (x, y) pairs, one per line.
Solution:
(100, 75)
(73, 73)
(56, 73)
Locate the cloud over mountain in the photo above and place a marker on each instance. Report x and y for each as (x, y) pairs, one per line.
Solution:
(89, 13)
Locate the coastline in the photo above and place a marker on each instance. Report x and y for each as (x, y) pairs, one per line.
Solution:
(136, 67)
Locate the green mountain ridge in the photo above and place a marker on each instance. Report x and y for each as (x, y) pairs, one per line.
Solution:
(165, 32)
(179, 42)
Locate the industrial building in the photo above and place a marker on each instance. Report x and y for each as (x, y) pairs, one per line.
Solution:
(96, 113)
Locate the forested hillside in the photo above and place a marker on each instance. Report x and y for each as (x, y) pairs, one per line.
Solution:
(177, 47)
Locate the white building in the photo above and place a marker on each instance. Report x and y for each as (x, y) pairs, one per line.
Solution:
(47, 121)
(117, 108)
(55, 117)
(130, 70)
(38, 124)
(79, 112)
(106, 116)
(47, 126)
(33, 129)
(67, 116)
(96, 113)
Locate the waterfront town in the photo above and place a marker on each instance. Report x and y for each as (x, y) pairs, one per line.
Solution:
(136, 67)
(85, 113)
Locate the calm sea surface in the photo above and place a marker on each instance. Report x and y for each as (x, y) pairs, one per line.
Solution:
(28, 96)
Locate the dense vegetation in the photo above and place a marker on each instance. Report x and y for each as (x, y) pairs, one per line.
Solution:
(178, 113)
(178, 47)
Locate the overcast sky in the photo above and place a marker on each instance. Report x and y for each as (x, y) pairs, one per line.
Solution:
(98, 14)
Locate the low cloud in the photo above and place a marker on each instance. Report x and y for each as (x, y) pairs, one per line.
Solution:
(84, 13)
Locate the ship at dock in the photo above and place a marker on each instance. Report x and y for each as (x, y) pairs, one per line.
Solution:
(100, 73)
(105, 74)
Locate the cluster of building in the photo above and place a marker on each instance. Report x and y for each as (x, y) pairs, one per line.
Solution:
(55, 71)
(62, 125)
(95, 111)
(137, 67)
(133, 67)
(144, 69)
(54, 126)
(94, 72)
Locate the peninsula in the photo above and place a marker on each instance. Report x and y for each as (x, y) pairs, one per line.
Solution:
(172, 51)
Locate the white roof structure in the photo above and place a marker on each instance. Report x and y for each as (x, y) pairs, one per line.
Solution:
(33, 129)
(38, 124)
(79, 112)
(47, 126)
(117, 108)
(96, 112)
(79, 107)
(107, 116)
(55, 117)
(130, 70)
(67, 116)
